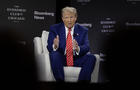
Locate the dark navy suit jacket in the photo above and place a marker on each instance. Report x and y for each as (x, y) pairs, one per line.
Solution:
(80, 35)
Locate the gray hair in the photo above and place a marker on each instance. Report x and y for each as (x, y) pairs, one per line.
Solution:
(69, 9)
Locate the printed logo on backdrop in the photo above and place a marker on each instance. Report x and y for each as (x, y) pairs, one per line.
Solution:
(132, 23)
(133, 2)
(88, 25)
(42, 15)
(107, 25)
(81, 2)
(16, 13)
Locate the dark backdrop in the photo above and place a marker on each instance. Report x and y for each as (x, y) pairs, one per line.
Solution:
(113, 25)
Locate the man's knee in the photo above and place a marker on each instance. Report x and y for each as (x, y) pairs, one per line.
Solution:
(55, 53)
(56, 57)
(91, 58)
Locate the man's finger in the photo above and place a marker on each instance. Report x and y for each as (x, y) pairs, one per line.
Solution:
(57, 37)
(75, 42)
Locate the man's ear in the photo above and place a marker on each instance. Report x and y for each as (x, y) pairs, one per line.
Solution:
(75, 18)
(62, 19)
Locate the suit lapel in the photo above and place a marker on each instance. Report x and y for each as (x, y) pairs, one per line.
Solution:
(76, 32)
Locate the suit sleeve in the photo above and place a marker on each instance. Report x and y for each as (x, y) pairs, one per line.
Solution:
(84, 47)
(52, 35)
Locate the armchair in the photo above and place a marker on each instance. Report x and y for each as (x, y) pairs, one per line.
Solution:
(44, 68)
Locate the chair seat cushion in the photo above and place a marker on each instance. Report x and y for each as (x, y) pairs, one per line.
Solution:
(71, 73)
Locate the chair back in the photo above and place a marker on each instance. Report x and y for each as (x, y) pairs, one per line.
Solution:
(44, 40)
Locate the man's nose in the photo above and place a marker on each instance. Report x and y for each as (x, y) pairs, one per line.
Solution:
(69, 19)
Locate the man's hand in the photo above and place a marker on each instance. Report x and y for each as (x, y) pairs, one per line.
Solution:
(75, 45)
(56, 42)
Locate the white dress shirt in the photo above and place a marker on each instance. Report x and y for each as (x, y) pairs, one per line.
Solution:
(72, 32)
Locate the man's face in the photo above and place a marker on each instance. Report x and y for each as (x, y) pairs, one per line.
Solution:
(69, 19)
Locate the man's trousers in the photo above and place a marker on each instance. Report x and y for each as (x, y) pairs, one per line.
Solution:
(86, 62)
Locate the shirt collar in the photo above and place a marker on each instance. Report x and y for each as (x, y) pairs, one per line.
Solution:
(72, 29)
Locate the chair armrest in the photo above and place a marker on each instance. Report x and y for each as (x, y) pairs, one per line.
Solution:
(95, 73)
(37, 45)
(44, 68)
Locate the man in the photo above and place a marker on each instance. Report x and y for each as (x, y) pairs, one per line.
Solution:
(60, 52)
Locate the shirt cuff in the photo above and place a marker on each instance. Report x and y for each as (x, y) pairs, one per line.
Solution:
(77, 53)
(54, 49)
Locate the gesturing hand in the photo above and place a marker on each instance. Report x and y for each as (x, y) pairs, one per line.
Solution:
(56, 42)
(75, 45)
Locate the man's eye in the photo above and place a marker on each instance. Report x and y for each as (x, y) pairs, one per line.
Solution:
(66, 17)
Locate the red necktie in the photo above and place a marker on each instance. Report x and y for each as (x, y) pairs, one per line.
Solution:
(69, 49)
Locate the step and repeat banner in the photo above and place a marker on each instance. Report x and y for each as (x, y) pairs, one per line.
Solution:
(103, 18)
(20, 22)
(27, 17)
